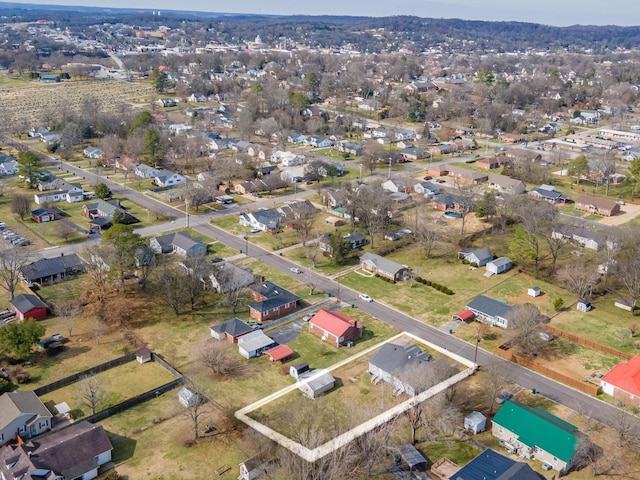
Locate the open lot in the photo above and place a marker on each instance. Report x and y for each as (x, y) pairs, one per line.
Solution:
(116, 385)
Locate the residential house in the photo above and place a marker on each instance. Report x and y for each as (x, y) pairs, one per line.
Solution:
(51, 138)
(335, 198)
(369, 105)
(104, 209)
(231, 330)
(93, 153)
(394, 185)
(596, 205)
(479, 256)
(264, 219)
(180, 243)
(549, 194)
(241, 146)
(37, 132)
(492, 163)
(166, 102)
(583, 236)
(146, 171)
(254, 343)
(356, 240)
(50, 270)
(623, 382)
(8, 165)
(28, 306)
(442, 149)
(22, 413)
(499, 265)
(296, 137)
(335, 328)
(353, 148)
(490, 465)
(75, 452)
(42, 215)
(450, 201)
(168, 179)
(227, 276)
(404, 134)
(383, 267)
(520, 154)
(316, 382)
(399, 366)
(270, 300)
(72, 194)
(414, 153)
(427, 188)
(533, 432)
(491, 311)
(506, 184)
(466, 176)
(438, 170)
(197, 98)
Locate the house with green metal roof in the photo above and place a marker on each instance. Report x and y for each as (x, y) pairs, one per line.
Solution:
(535, 433)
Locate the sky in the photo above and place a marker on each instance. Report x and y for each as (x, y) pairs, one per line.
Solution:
(548, 12)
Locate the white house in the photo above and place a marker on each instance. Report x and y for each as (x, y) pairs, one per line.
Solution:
(22, 413)
(73, 194)
(146, 171)
(8, 165)
(499, 265)
(93, 153)
(168, 179)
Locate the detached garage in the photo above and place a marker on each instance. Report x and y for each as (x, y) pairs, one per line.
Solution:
(29, 306)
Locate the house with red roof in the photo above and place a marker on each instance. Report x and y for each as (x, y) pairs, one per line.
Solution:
(623, 382)
(335, 328)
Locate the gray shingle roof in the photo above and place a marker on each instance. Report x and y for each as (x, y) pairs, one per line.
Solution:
(233, 327)
(394, 359)
(381, 263)
(25, 302)
(490, 306)
(46, 267)
(255, 340)
(19, 402)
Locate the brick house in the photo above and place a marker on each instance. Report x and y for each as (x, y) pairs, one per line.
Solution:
(270, 300)
(335, 328)
(597, 205)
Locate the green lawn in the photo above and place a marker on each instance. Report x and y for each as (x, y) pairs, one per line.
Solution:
(116, 384)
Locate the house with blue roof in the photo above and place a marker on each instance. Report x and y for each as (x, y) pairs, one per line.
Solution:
(491, 311)
(490, 465)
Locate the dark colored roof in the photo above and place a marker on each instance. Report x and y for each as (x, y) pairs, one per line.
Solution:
(480, 253)
(550, 194)
(490, 465)
(490, 306)
(72, 451)
(42, 211)
(411, 455)
(46, 267)
(25, 302)
(451, 199)
(537, 427)
(380, 263)
(233, 327)
(275, 296)
(396, 359)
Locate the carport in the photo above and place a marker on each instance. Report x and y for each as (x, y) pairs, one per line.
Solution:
(412, 457)
(464, 316)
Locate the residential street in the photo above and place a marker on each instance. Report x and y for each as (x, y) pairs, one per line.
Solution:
(555, 391)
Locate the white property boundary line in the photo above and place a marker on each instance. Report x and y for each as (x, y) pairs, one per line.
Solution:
(343, 439)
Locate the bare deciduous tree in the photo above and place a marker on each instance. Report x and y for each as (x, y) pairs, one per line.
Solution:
(218, 358)
(20, 204)
(195, 409)
(527, 326)
(171, 279)
(12, 259)
(91, 394)
(579, 278)
(68, 312)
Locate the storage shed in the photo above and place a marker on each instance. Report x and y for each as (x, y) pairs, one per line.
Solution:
(412, 457)
(315, 383)
(143, 355)
(499, 265)
(298, 369)
(583, 306)
(475, 422)
(188, 398)
(534, 291)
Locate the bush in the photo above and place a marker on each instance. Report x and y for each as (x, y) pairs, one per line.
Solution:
(474, 264)
(5, 385)
(558, 303)
(465, 262)
(17, 374)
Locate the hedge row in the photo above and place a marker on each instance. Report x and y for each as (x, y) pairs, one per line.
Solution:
(388, 280)
(441, 288)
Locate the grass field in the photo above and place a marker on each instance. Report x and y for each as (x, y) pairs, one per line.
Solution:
(116, 384)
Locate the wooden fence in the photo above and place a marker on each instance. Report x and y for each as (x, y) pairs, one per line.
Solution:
(572, 382)
(588, 343)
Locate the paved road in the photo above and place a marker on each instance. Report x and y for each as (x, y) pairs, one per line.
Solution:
(528, 379)
(551, 389)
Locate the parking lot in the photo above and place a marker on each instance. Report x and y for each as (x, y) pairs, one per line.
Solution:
(14, 238)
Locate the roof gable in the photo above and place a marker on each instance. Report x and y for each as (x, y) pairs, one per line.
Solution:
(625, 376)
(336, 323)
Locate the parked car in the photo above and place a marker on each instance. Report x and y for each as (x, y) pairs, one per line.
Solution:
(365, 297)
(503, 397)
(428, 177)
(620, 202)
(308, 317)
(295, 270)
(439, 180)
(216, 260)
(254, 230)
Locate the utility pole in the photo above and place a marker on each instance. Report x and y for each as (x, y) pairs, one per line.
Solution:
(186, 209)
(389, 167)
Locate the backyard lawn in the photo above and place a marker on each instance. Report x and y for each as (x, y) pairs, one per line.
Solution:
(116, 384)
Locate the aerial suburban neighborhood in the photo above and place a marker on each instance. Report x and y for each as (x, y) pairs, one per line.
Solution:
(260, 246)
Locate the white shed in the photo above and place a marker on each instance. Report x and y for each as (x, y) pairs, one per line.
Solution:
(583, 306)
(534, 291)
(475, 422)
(188, 398)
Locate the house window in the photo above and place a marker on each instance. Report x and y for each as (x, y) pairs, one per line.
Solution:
(555, 460)
(499, 429)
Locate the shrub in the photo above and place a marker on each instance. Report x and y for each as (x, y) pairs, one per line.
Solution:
(474, 264)
(17, 374)
(558, 303)
(465, 262)
(419, 279)
(5, 385)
